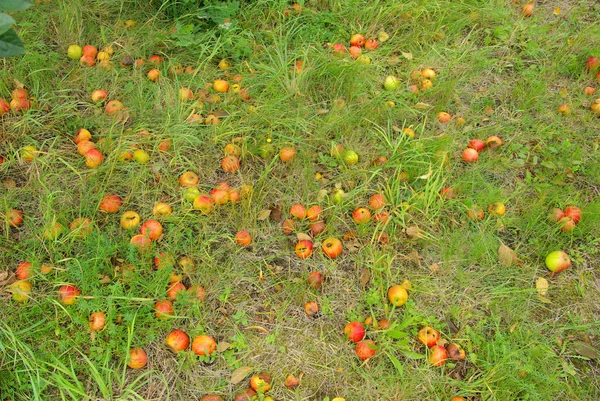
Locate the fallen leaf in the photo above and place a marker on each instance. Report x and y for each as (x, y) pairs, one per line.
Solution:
(352, 246)
(407, 285)
(506, 256)
(264, 214)
(365, 276)
(322, 111)
(423, 106)
(275, 214)
(383, 36)
(240, 374)
(426, 176)
(321, 195)
(586, 350)
(542, 286)
(407, 55)
(223, 346)
(393, 61)
(556, 11)
(302, 237)
(105, 280)
(258, 328)
(513, 327)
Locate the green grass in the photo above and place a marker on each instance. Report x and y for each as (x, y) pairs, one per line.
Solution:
(519, 347)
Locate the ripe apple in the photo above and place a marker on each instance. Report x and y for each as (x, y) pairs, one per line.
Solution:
(247, 395)
(574, 213)
(164, 145)
(232, 149)
(203, 203)
(444, 117)
(177, 341)
(288, 226)
(303, 249)
(460, 121)
(557, 261)
(81, 226)
(592, 64)
(261, 383)
(438, 355)
(361, 215)
(197, 292)
(204, 345)
(103, 56)
(377, 201)
(595, 107)
(311, 309)
(291, 382)
(470, 155)
(130, 220)
(566, 224)
(23, 271)
(298, 211)
(14, 218)
(357, 40)
(21, 290)
(564, 109)
(162, 209)
(153, 75)
(588, 90)
(137, 358)
(497, 209)
(397, 295)
(220, 196)
(81, 135)
(4, 107)
(151, 229)
(316, 227)
(185, 94)
(458, 398)
(556, 214)
(381, 217)
(287, 154)
(338, 48)
(188, 179)
(354, 331)
(110, 204)
(528, 9)
(230, 163)
(409, 132)
(314, 212)
(315, 280)
(28, 153)
(163, 260)
(371, 44)
(426, 84)
(155, 59)
(221, 85)
(428, 336)
(448, 193)
(475, 213)
(383, 324)
(391, 83)
(89, 50)
(476, 144)
(68, 294)
(332, 247)
(53, 231)
(455, 351)
(428, 73)
(84, 145)
(493, 142)
(87, 61)
(243, 238)
(191, 193)
(163, 309)
(74, 52)
(141, 156)
(365, 349)
(141, 242)
(20, 93)
(97, 321)
(113, 106)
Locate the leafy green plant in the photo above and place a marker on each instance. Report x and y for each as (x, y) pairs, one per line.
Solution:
(10, 44)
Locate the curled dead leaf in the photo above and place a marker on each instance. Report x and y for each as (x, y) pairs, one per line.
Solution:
(506, 256)
(542, 286)
(223, 346)
(240, 374)
(264, 214)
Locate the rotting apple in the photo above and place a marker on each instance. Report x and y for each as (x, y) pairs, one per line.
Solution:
(397, 295)
(177, 341)
(163, 309)
(14, 218)
(81, 227)
(21, 290)
(261, 383)
(288, 226)
(365, 349)
(291, 382)
(314, 212)
(243, 238)
(497, 209)
(141, 242)
(332, 247)
(130, 220)
(475, 213)
(185, 94)
(68, 294)
(97, 321)
(574, 213)
(354, 331)
(493, 142)
(361, 215)
(87, 61)
(197, 293)
(557, 262)
(371, 44)
(303, 249)
(455, 352)
(23, 271)
(448, 193)
(204, 345)
(566, 224)
(246, 395)
(311, 309)
(315, 280)
(428, 336)
(28, 153)
(438, 355)
(163, 260)
(137, 358)
(316, 227)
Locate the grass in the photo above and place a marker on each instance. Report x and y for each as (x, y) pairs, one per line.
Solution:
(519, 346)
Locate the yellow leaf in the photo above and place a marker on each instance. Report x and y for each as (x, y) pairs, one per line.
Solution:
(240, 374)
(407, 55)
(423, 106)
(556, 11)
(506, 256)
(302, 237)
(223, 346)
(542, 286)
(264, 214)
(513, 327)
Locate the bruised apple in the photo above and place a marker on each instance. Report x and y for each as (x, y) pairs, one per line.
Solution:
(177, 341)
(438, 355)
(204, 345)
(428, 336)
(365, 349)
(137, 358)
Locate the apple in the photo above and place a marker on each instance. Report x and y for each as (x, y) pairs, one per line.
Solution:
(493, 142)
(557, 261)
(303, 249)
(397, 295)
(458, 398)
(574, 213)
(185, 94)
(371, 44)
(428, 336)
(21, 290)
(383, 324)
(74, 52)
(191, 193)
(455, 351)
(564, 109)
(288, 226)
(438, 355)
(261, 383)
(18, 105)
(556, 215)
(426, 84)
(311, 309)
(137, 358)
(475, 213)
(287, 154)
(163, 309)
(188, 179)
(141, 156)
(28, 153)
(113, 106)
(23, 271)
(247, 395)
(476, 144)
(592, 64)
(14, 218)
(298, 211)
(357, 40)
(470, 155)
(153, 75)
(314, 212)
(230, 163)
(497, 209)
(444, 117)
(381, 217)
(315, 280)
(81, 226)
(197, 292)
(177, 341)
(243, 238)
(220, 196)
(163, 260)
(97, 321)
(409, 132)
(155, 59)
(84, 145)
(151, 229)
(203, 203)
(528, 9)
(291, 382)
(354, 331)
(81, 135)
(110, 204)
(232, 149)
(162, 209)
(332, 247)
(448, 193)
(316, 227)
(221, 85)
(460, 121)
(89, 50)
(566, 224)
(377, 202)
(53, 231)
(355, 52)
(4, 107)
(338, 48)
(361, 215)
(141, 242)
(68, 294)
(204, 345)
(130, 220)
(588, 90)
(164, 145)
(365, 349)
(103, 56)
(428, 73)
(595, 107)
(87, 61)
(391, 83)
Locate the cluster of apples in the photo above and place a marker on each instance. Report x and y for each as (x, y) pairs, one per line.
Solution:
(471, 153)
(593, 66)
(439, 349)
(258, 386)
(567, 219)
(222, 194)
(204, 96)
(348, 156)
(19, 102)
(88, 55)
(87, 148)
(357, 44)
(475, 212)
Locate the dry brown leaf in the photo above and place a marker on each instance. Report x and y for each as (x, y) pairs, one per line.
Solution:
(264, 214)
(542, 286)
(240, 374)
(506, 256)
(586, 350)
(105, 280)
(223, 346)
(275, 214)
(302, 237)
(258, 328)
(321, 195)
(352, 246)
(513, 327)
(365, 276)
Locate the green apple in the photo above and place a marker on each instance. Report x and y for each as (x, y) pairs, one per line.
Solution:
(363, 59)
(350, 157)
(74, 52)
(191, 193)
(338, 196)
(557, 261)
(391, 83)
(266, 151)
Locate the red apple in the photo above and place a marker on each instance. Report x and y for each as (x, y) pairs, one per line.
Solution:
(68, 294)
(113, 106)
(298, 211)
(204, 345)
(243, 238)
(230, 163)
(313, 212)
(475, 213)
(291, 382)
(316, 227)
(153, 75)
(428, 336)
(110, 204)
(438, 355)
(177, 341)
(357, 40)
(365, 349)
(444, 117)
(197, 292)
(332, 247)
(220, 196)
(152, 229)
(557, 261)
(288, 226)
(203, 203)
(592, 64)
(14, 218)
(361, 215)
(188, 179)
(448, 193)
(23, 271)
(476, 144)
(354, 331)
(174, 288)
(371, 44)
(311, 309)
(315, 280)
(493, 142)
(556, 214)
(137, 358)
(574, 213)
(355, 52)
(303, 249)
(141, 242)
(377, 201)
(470, 155)
(4, 107)
(397, 295)
(163, 309)
(566, 224)
(99, 95)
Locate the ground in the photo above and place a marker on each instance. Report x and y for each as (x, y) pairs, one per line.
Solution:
(503, 73)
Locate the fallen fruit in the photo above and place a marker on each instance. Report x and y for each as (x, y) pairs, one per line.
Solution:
(177, 341)
(397, 295)
(557, 261)
(332, 247)
(303, 249)
(204, 345)
(428, 336)
(137, 358)
(365, 349)
(354, 331)
(68, 294)
(261, 383)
